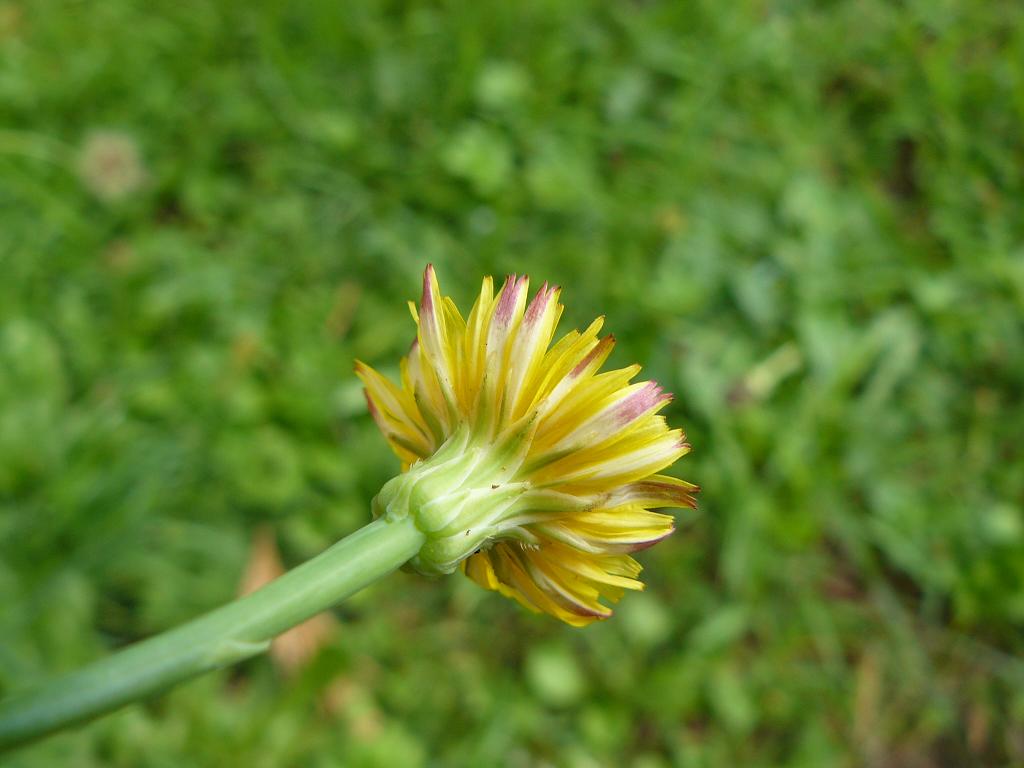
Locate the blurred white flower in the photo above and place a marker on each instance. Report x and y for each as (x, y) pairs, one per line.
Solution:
(109, 165)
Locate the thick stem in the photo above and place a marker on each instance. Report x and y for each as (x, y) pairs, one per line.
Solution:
(223, 636)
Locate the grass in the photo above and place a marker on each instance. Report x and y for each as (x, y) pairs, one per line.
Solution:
(805, 219)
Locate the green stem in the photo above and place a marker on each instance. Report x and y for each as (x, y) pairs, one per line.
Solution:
(228, 634)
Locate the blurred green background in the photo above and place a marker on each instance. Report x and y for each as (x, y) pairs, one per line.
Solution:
(805, 219)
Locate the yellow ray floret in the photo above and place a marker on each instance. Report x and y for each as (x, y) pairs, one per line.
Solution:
(527, 465)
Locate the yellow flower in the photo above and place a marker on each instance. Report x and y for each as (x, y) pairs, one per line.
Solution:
(523, 463)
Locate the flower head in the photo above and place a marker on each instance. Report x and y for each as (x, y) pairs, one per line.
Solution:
(523, 462)
(110, 166)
